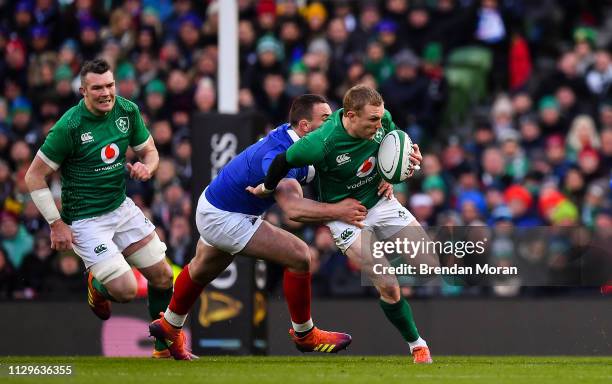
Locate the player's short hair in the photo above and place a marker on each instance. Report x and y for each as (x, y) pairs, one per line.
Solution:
(301, 108)
(359, 96)
(98, 66)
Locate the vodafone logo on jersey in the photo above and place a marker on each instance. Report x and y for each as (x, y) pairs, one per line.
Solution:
(110, 153)
(367, 167)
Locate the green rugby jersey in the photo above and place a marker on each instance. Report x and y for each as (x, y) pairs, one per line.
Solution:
(89, 151)
(345, 165)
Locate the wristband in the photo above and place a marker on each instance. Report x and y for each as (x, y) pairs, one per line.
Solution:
(266, 190)
(46, 205)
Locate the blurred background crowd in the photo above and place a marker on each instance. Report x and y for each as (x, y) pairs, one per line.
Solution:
(510, 100)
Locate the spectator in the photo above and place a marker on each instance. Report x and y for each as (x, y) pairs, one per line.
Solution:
(531, 138)
(189, 36)
(89, 38)
(378, 63)
(417, 28)
(316, 16)
(15, 239)
(584, 38)
(7, 276)
(502, 117)
(606, 148)
(492, 31)
(38, 266)
(369, 18)
(205, 96)
(422, 207)
(246, 42)
(182, 155)
(473, 208)
(66, 281)
(180, 98)
(582, 135)
(121, 30)
(274, 101)
(162, 134)
(519, 200)
(341, 51)
(599, 78)
(127, 85)
(266, 15)
(550, 117)
(493, 167)
(66, 98)
(516, 161)
(269, 60)
(388, 36)
(407, 94)
(155, 101)
(23, 127)
(438, 85)
(180, 240)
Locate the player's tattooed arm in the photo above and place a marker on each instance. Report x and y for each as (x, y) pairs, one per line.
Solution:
(143, 170)
(290, 199)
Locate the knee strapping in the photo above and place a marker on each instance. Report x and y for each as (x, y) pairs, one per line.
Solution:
(152, 253)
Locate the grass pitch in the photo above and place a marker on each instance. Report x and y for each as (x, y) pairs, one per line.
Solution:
(319, 369)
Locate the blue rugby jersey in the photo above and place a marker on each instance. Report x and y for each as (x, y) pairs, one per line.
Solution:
(228, 190)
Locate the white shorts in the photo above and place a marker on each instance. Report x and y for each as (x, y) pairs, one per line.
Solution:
(386, 218)
(227, 231)
(102, 237)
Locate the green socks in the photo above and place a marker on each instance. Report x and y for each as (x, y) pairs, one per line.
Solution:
(102, 289)
(400, 315)
(157, 301)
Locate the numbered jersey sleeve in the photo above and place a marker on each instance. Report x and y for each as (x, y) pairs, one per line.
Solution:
(58, 145)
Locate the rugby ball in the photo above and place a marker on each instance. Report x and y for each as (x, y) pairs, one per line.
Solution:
(394, 157)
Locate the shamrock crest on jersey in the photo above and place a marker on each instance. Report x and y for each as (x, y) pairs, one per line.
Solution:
(378, 136)
(123, 123)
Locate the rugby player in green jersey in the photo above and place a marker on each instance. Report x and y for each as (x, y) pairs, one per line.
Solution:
(343, 151)
(105, 228)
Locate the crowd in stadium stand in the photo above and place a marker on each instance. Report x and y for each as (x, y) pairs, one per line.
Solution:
(511, 102)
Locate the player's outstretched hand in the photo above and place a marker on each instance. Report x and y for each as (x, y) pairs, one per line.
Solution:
(259, 191)
(385, 189)
(61, 236)
(139, 171)
(351, 212)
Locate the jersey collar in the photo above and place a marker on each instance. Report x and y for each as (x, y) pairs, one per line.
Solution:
(294, 136)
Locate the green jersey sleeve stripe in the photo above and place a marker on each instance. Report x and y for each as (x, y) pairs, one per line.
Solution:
(55, 166)
(311, 174)
(142, 145)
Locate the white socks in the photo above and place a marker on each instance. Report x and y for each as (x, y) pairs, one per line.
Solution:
(303, 327)
(174, 318)
(417, 343)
